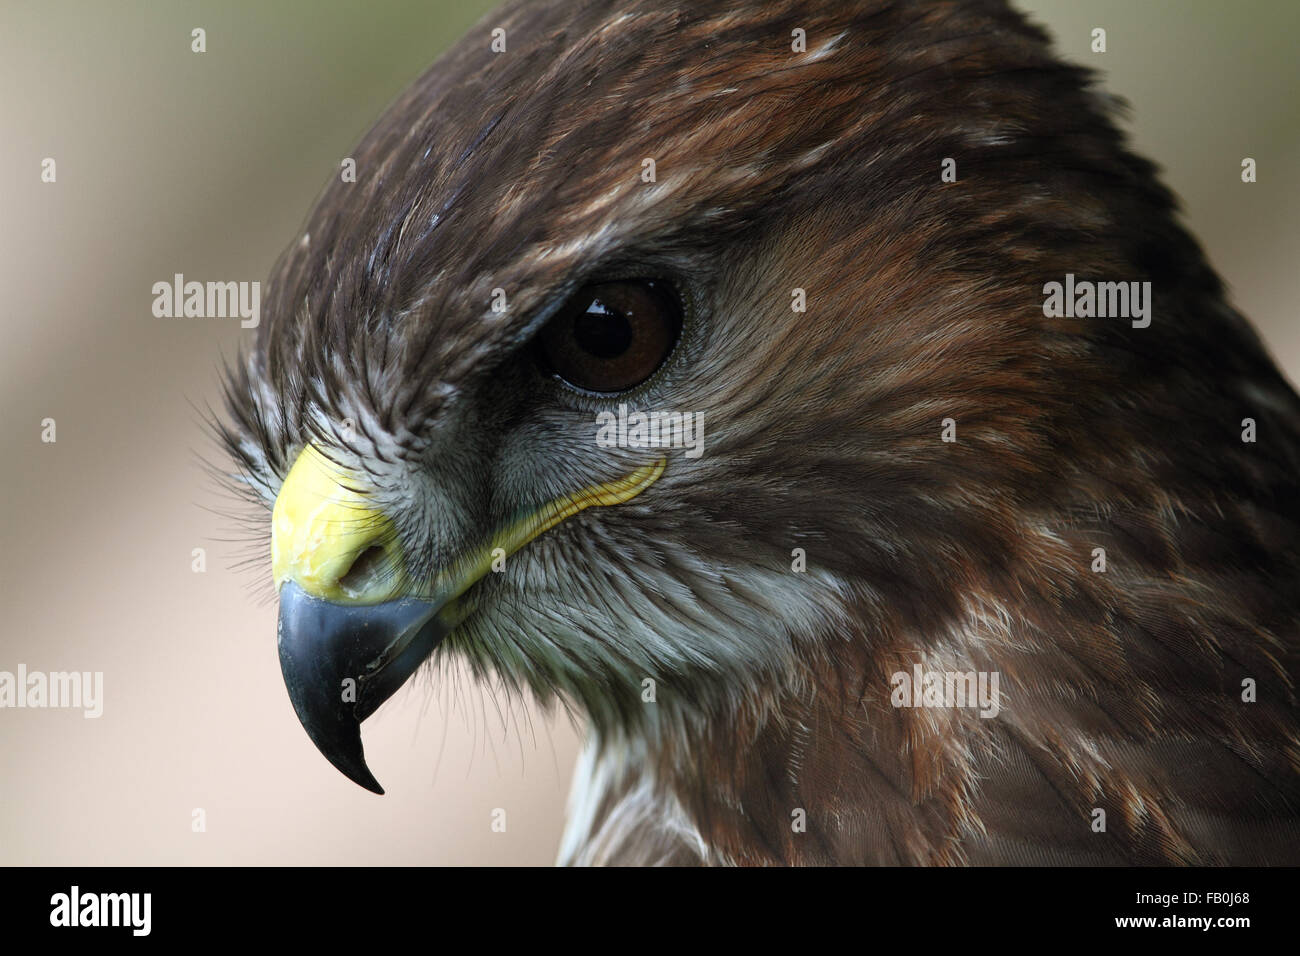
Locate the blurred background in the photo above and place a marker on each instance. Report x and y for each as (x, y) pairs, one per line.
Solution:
(206, 165)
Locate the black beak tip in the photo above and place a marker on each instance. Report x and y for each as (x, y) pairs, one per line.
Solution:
(341, 662)
(357, 771)
(328, 721)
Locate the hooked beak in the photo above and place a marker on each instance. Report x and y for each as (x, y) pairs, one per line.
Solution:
(341, 662)
(352, 628)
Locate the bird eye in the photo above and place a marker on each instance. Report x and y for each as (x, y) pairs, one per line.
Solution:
(612, 336)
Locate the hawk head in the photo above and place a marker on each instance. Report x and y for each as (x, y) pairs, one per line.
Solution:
(822, 231)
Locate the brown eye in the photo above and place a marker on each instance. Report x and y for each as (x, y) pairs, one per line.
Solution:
(612, 336)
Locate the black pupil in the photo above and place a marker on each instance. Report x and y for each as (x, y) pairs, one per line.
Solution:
(602, 332)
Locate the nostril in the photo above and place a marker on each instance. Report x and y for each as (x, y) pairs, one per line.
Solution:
(366, 569)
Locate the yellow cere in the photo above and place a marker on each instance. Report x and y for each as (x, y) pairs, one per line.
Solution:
(320, 526)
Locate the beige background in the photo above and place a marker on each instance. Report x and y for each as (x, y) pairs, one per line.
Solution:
(206, 165)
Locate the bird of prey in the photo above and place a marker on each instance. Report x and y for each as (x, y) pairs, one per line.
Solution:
(875, 248)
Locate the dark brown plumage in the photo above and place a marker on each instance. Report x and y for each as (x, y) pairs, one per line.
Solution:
(820, 170)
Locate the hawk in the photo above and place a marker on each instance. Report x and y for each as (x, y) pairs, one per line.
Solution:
(826, 232)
